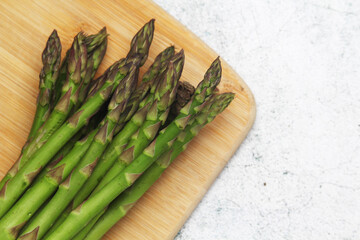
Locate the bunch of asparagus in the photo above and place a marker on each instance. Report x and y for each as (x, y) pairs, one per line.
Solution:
(97, 145)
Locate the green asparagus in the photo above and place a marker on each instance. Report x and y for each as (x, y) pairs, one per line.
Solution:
(93, 123)
(14, 187)
(15, 219)
(92, 64)
(92, 42)
(48, 75)
(80, 174)
(149, 83)
(156, 116)
(122, 204)
(39, 192)
(76, 67)
(97, 44)
(115, 148)
(90, 208)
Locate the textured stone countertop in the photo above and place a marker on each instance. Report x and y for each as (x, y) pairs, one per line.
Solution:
(297, 175)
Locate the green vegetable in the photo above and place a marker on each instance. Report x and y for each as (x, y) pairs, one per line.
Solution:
(90, 208)
(156, 116)
(122, 204)
(67, 190)
(48, 75)
(69, 96)
(109, 157)
(92, 43)
(99, 93)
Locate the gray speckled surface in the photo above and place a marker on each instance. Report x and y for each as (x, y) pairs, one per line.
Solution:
(297, 175)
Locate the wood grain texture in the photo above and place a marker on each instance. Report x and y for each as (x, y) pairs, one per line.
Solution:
(24, 29)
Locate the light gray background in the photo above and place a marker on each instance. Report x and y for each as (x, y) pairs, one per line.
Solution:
(301, 60)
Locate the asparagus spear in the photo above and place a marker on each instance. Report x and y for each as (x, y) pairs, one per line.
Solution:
(114, 149)
(97, 202)
(67, 190)
(16, 217)
(96, 47)
(60, 112)
(119, 142)
(91, 207)
(118, 207)
(92, 42)
(93, 123)
(122, 204)
(183, 95)
(39, 192)
(85, 231)
(51, 60)
(62, 165)
(100, 93)
(59, 156)
(164, 97)
(76, 67)
(93, 62)
(211, 80)
(156, 116)
(48, 75)
(149, 83)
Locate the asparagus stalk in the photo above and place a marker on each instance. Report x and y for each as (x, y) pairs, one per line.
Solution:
(164, 97)
(96, 45)
(67, 190)
(60, 112)
(111, 153)
(93, 124)
(115, 148)
(58, 157)
(156, 116)
(211, 80)
(149, 83)
(122, 204)
(85, 231)
(76, 67)
(16, 217)
(48, 75)
(90, 208)
(93, 62)
(57, 173)
(92, 42)
(14, 187)
(62, 169)
(51, 61)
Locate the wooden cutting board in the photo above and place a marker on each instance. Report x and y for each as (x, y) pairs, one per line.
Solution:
(24, 28)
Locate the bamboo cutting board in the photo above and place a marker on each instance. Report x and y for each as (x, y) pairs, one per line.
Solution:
(24, 28)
